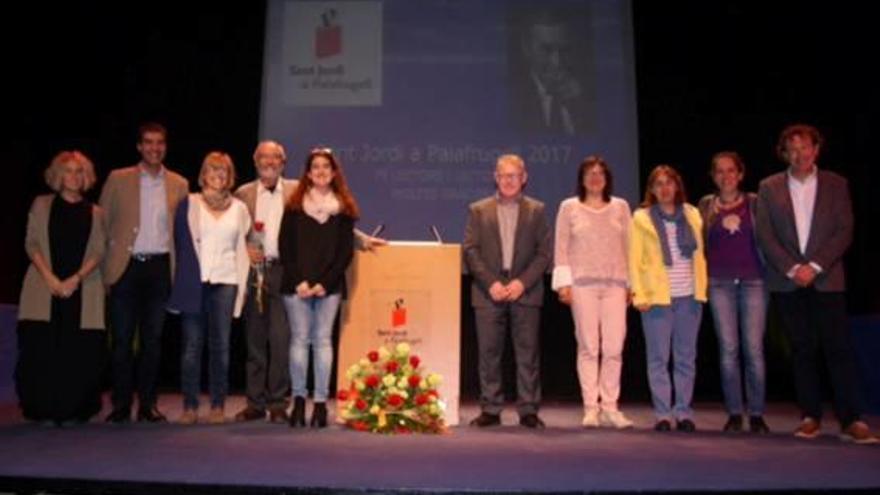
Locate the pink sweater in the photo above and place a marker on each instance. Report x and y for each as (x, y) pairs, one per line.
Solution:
(591, 245)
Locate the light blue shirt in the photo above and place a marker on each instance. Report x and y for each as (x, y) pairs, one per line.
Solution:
(153, 235)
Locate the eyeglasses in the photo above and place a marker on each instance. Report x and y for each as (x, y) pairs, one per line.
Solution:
(508, 176)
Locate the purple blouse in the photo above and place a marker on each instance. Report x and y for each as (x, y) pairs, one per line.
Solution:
(731, 250)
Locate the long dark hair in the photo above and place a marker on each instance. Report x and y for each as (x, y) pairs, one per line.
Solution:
(338, 185)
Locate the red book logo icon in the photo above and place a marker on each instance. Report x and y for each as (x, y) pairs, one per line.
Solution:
(328, 36)
(398, 314)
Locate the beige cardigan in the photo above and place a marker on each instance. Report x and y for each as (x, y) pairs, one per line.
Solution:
(36, 299)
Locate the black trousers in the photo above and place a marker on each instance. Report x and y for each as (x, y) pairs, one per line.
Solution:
(492, 326)
(268, 343)
(816, 325)
(137, 307)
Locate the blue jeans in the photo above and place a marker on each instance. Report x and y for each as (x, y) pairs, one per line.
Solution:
(311, 324)
(674, 327)
(739, 308)
(215, 320)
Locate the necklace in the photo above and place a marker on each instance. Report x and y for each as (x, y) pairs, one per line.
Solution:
(736, 199)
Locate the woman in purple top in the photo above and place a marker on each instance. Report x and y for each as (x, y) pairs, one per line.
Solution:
(737, 294)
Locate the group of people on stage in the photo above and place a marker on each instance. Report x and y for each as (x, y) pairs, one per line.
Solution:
(735, 250)
(276, 251)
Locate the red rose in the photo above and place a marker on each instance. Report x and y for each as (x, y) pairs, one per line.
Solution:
(342, 395)
(360, 426)
(372, 381)
(391, 366)
(433, 392)
(360, 404)
(373, 356)
(259, 226)
(395, 400)
(414, 380)
(403, 430)
(421, 399)
(414, 361)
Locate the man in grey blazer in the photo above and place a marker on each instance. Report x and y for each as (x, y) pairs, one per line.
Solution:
(804, 225)
(507, 249)
(139, 204)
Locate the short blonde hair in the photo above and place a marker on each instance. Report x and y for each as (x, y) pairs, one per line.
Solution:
(54, 174)
(513, 160)
(213, 159)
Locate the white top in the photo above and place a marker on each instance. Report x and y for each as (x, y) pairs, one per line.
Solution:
(681, 273)
(219, 241)
(320, 205)
(591, 244)
(269, 210)
(153, 235)
(803, 199)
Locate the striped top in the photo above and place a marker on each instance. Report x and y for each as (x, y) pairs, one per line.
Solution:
(681, 273)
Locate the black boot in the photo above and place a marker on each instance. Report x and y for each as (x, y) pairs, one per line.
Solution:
(319, 415)
(298, 414)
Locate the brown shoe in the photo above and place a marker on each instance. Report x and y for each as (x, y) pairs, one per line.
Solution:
(858, 432)
(189, 417)
(250, 414)
(809, 428)
(278, 415)
(216, 416)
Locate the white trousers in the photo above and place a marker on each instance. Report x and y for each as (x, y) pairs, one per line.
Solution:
(600, 328)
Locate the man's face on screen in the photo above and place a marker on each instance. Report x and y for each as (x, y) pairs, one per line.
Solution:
(547, 50)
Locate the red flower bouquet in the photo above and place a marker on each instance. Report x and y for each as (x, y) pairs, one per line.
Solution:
(391, 393)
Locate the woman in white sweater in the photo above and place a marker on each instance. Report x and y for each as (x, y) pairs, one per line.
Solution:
(590, 274)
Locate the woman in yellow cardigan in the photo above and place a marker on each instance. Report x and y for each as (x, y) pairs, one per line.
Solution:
(668, 280)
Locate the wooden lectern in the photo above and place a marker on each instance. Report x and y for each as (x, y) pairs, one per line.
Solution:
(406, 292)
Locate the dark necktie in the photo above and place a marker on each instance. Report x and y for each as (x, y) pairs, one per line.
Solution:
(554, 120)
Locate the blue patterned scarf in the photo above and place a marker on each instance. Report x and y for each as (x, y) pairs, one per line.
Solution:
(687, 243)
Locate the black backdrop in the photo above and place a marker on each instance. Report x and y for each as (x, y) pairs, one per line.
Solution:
(710, 76)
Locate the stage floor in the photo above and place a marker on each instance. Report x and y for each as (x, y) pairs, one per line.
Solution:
(266, 458)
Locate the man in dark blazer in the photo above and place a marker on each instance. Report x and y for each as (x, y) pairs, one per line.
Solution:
(507, 249)
(549, 91)
(139, 204)
(804, 225)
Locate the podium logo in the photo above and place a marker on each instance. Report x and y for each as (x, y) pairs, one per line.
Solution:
(398, 314)
(328, 36)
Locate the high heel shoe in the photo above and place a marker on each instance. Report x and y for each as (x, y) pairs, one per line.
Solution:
(298, 414)
(319, 415)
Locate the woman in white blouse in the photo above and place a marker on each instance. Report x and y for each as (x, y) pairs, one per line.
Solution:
(590, 274)
(209, 281)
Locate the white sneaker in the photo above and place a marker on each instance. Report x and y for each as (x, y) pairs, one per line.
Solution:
(591, 418)
(615, 419)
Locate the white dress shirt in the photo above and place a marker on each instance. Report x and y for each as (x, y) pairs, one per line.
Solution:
(152, 235)
(547, 108)
(803, 199)
(269, 210)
